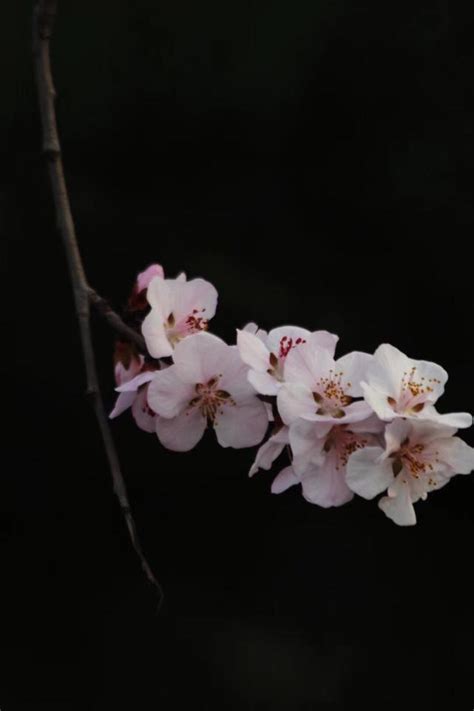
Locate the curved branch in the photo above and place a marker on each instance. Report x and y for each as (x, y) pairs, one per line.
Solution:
(43, 20)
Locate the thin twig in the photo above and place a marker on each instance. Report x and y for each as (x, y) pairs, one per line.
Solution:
(115, 322)
(43, 20)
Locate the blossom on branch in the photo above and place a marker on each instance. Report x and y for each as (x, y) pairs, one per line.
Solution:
(206, 386)
(179, 308)
(265, 354)
(398, 386)
(418, 457)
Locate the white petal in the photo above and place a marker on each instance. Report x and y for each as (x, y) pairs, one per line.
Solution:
(159, 296)
(200, 357)
(398, 505)
(195, 294)
(241, 425)
(154, 333)
(395, 433)
(295, 400)
(307, 440)
(377, 400)
(325, 485)
(253, 352)
(457, 420)
(354, 367)
(269, 451)
(458, 455)
(234, 375)
(181, 433)
(284, 480)
(263, 383)
(306, 364)
(324, 339)
(167, 394)
(372, 425)
(123, 402)
(367, 473)
(136, 382)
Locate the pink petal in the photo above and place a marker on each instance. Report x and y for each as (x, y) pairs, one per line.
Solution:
(195, 294)
(167, 394)
(284, 480)
(181, 433)
(253, 352)
(263, 383)
(354, 367)
(325, 485)
(144, 278)
(136, 382)
(123, 402)
(200, 357)
(269, 451)
(154, 333)
(367, 473)
(241, 425)
(398, 505)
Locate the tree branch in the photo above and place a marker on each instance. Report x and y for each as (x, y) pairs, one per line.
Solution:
(113, 319)
(43, 20)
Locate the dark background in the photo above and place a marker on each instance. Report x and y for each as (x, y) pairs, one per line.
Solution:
(313, 160)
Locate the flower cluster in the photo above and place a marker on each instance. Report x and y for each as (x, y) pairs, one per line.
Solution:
(359, 424)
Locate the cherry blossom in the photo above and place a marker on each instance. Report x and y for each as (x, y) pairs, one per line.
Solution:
(419, 456)
(207, 385)
(320, 389)
(179, 308)
(320, 456)
(398, 386)
(266, 354)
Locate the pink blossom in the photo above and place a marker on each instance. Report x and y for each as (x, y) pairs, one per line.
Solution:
(319, 389)
(398, 386)
(266, 354)
(320, 456)
(206, 386)
(418, 457)
(179, 308)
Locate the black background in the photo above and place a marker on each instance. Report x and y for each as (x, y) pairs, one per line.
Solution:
(313, 160)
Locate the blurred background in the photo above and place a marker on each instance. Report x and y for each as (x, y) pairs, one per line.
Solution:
(314, 161)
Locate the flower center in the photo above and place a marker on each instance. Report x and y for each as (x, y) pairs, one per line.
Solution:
(345, 443)
(277, 360)
(414, 459)
(192, 323)
(210, 399)
(330, 396)
(414, 393)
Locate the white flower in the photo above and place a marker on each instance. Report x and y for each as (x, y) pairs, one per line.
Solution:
(319, 389)
(418, 457)
(206, 385)
(266, 354)
(320, 455)
(398, 386)
(179, 308)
